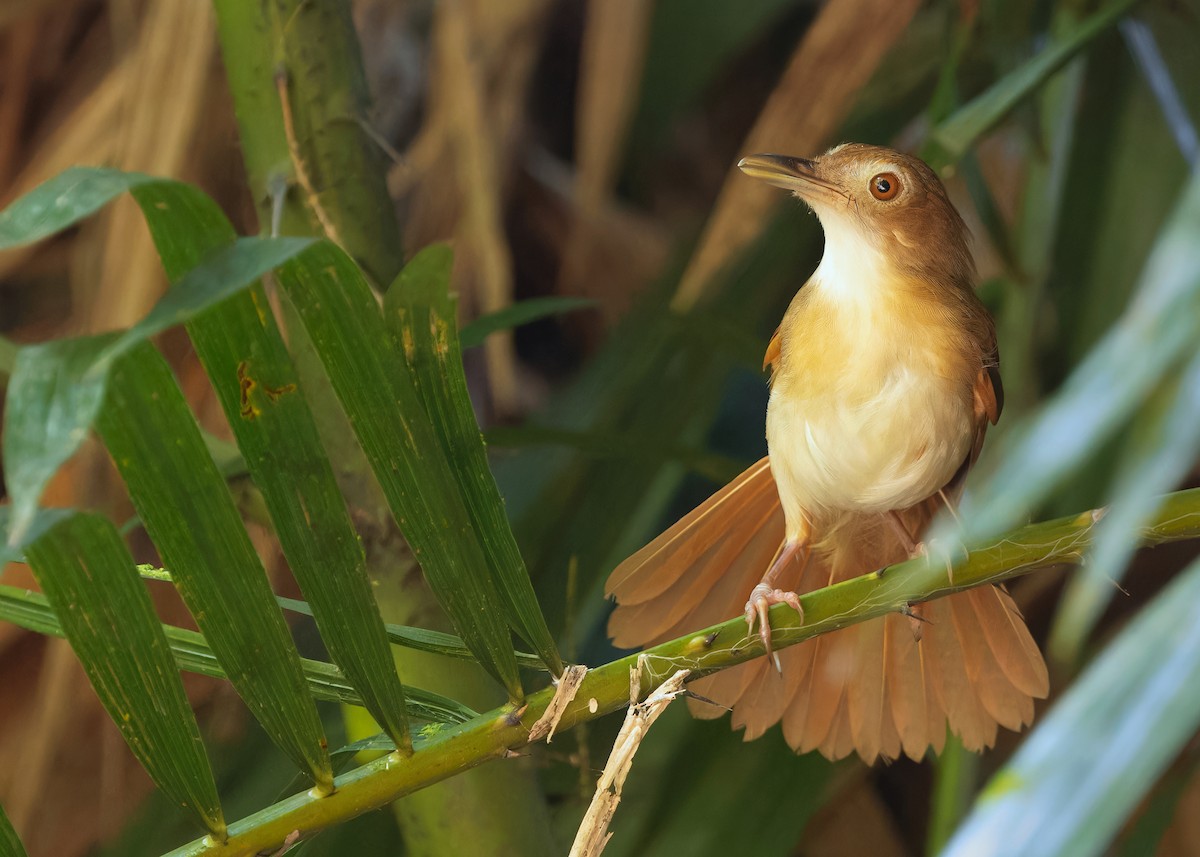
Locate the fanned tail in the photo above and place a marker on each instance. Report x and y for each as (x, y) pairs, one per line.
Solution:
(873, 688)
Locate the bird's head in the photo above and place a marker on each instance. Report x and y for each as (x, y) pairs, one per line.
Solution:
(877, 202)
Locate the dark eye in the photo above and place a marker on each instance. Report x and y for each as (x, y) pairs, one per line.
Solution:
(885, 186)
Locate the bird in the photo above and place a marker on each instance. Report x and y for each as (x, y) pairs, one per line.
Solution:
(885, 376)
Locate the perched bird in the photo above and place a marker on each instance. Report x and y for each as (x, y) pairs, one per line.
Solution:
(885, 376)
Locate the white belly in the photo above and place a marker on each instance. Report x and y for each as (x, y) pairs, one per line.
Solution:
(873, 451)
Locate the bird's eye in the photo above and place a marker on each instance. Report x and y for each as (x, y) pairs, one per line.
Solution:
(885, 186)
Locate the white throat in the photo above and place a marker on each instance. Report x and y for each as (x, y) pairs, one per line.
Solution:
(852, 272)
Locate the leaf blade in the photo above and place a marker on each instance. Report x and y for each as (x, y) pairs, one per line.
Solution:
(1108, 385)
(191, 518)
(10, 843)
(244, 356)
(421, 316)
(371, 381)
(31, 611)
(518, 314)
(951, 139)
(1087, 765)
(87, 572)
(49, 408)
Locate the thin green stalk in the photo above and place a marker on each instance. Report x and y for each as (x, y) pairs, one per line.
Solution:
(954, 783)
(494, 734)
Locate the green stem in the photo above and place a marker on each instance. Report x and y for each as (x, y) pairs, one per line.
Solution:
(606, 689)
(954, 785)
(308, 51)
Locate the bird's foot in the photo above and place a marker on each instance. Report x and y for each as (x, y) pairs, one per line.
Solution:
(927, 551)
(758, 605)
(916, 620)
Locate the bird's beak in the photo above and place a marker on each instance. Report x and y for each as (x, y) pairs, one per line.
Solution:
(799, 175)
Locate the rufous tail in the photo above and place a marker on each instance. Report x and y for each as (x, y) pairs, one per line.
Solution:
(871, 688)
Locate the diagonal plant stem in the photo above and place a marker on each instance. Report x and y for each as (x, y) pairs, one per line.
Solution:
(494, 734)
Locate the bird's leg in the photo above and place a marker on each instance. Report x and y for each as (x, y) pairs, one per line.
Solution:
(913, 547)
(767, 592)
(916, 619)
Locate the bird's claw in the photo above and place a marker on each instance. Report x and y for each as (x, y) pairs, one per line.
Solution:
(761, 598)
(925, 551)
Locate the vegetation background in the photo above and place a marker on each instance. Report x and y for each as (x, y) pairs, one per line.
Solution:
(584, 150)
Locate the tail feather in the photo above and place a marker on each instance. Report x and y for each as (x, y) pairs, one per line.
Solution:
(907, 687)
(719, 598)
(936, 725)
(829, 674)
(839, 743)
(795, 718)
(871, 688)
(867, 695)
(1010, 641)
(655, 568)
(954, 687)
(889, 739)
(1000, 699)
(763, 701)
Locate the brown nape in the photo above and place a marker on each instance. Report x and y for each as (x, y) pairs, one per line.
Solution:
(872, 688)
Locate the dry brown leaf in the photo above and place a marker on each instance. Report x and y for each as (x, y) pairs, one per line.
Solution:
(160, 110)
(593, 832)
(839, 53)
(17, 70)
(481, 228)
(614, 50)
(565, 689)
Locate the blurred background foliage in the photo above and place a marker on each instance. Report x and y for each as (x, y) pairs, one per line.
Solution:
(585, 149)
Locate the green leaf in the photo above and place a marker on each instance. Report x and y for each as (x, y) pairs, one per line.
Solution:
(61, 202)
(192, 653)
(1159, 329)
(43, 520)
(82, 192)
(515, 315)
(59, 385)
(1080, 773)
(950, 140)
(10, 845)
(223, 273)
(376, 391)
(243, 353)
(421, 639)
(421, 315)
(191, 518)
(48, 411)
(1156, 456)
(87, 573)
